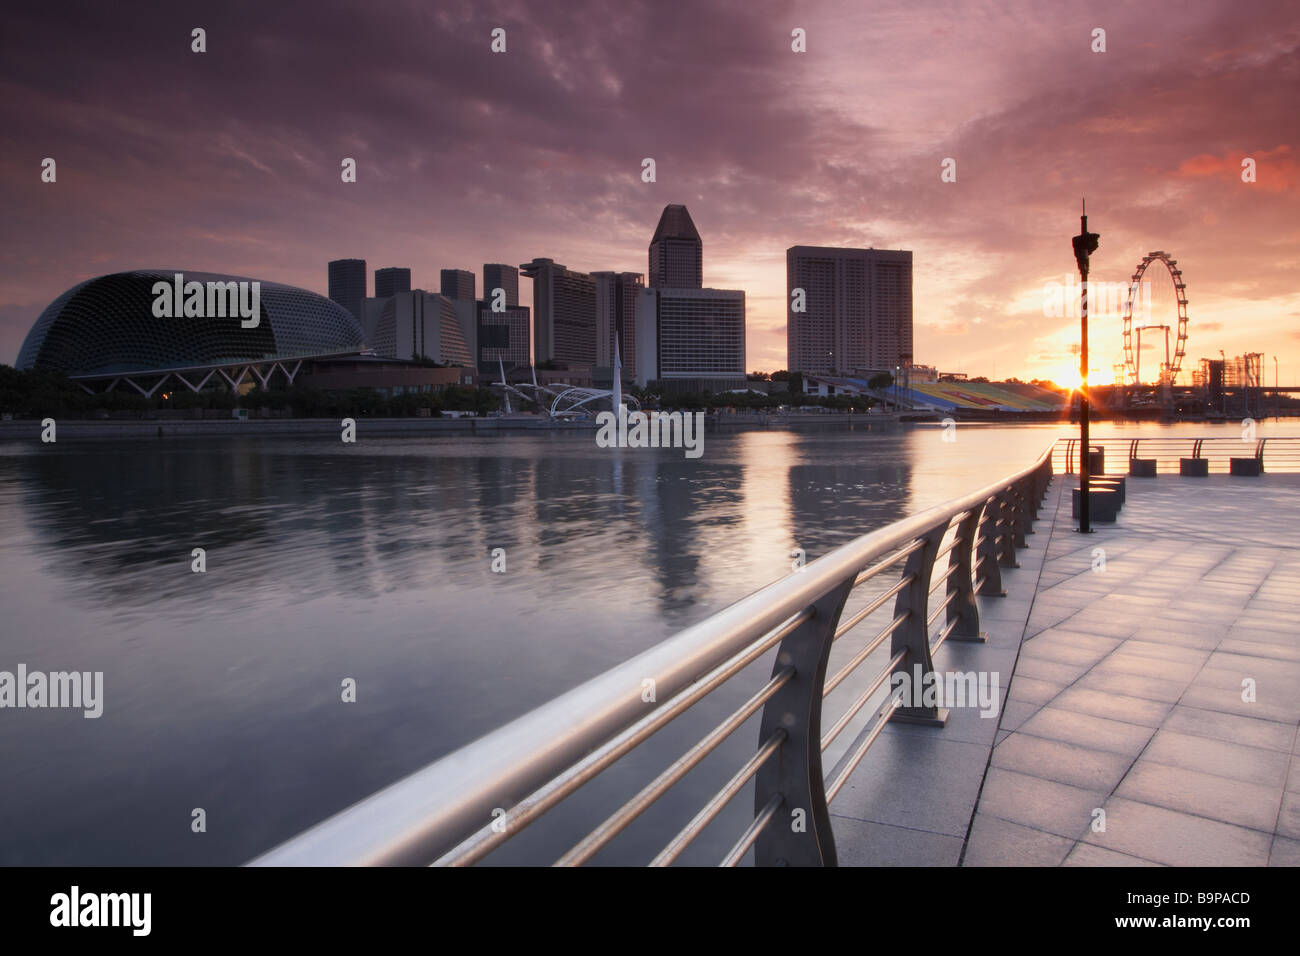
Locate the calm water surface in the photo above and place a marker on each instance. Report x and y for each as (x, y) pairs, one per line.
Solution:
(372, 561)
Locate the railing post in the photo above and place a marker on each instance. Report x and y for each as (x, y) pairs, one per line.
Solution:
(1006, 530)
(962, 608)
(914, 633)
(796, 771)
(987, 571)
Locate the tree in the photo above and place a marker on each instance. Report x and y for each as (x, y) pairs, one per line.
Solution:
(880, 380)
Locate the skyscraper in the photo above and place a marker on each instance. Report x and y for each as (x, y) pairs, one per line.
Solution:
(564, 313)
(616, 295)
(348, 285)
(691, 339)
(389, 282)
(411, 325)
(676, 252)
(499, 276)
(856, 309)
(502, 336)
(458, 284)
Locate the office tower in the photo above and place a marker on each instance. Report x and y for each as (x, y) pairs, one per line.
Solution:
(691, 339)
(391, 282)
(676, 252)
(502, 335)
(499, 276)
(564, 313)
(458, 284)
(857, 309)
(616, 295)
(419, 324)
(348, 285)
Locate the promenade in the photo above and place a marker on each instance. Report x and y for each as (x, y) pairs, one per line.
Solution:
(1156, 680)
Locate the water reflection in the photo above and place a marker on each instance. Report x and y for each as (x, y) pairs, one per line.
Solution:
(374, 562)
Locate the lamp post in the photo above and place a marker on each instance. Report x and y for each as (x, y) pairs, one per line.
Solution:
(1085, 244)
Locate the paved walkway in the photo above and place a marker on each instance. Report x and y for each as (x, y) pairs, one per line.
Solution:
(1132, 651)
(1132, 693)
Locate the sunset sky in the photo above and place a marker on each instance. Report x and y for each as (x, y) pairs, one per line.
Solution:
(229, 160)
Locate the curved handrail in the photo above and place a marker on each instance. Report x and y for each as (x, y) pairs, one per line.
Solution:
(535, 760)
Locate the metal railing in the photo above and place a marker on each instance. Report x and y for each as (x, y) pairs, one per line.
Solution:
(469, 803)
(1278, 455)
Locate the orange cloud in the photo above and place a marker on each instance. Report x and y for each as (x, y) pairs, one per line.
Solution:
(1276, 169)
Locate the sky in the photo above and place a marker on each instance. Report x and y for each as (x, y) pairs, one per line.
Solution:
(229, 160)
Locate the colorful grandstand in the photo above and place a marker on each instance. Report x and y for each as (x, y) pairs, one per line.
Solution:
(1003, 396)
(948, 396)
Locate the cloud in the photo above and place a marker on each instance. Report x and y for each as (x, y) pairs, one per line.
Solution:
(229, 160)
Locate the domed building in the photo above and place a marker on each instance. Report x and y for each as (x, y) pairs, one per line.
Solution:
(126, 327)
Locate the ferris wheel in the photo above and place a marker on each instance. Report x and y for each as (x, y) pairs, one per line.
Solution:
(1132, 347)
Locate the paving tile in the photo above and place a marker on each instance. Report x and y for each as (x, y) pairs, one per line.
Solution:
(995, 842)
(1033, 690)
(1063, 762)
(917, 782)
(1015, 713)
(1095, 733)
(1248, 730)
(1086, 854)
(1124, 661)
(1131, 685)
(1133, 710)
(1284, 852)
(1040, 804)
(1268, 768)
(1207, 795)
(1288, 821)
(1043, 669)
(1056, 645)
(1177, 839)
(858, 843)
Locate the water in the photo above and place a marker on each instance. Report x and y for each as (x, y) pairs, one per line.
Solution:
(372, 562)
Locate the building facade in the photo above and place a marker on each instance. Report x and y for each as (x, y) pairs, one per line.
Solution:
(676, 252)
(497, 275)
(564, 313)
(347, 284)
(458, 284)
(421, 324)
(391, 282)
(616, 298)
(502, 337)
(856, 309)
(691, 339)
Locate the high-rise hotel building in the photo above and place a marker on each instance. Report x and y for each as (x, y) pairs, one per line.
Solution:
(676, 252)
(857, 309)
(564, 313)
(616, 295)
(688, 338)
